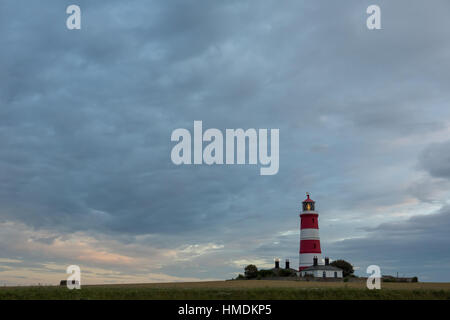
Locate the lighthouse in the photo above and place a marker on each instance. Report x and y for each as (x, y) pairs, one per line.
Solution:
(310, 252)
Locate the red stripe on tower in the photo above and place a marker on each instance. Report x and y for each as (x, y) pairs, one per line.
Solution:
(310, 246)
(309, 235)
(309, 221)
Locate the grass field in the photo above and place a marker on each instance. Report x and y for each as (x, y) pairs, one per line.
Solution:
(245, 290)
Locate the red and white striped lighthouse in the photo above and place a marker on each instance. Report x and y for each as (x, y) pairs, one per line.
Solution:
(309, 235)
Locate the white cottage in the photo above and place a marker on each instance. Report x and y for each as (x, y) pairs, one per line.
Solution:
(322, 271)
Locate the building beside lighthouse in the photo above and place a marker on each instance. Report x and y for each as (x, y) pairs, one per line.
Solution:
(322, 271)
(310, 258)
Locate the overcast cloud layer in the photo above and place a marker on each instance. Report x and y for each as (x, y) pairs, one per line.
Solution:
(86, 118)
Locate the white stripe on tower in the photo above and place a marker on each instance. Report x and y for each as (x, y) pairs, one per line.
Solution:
(310, 233)
(306, 259)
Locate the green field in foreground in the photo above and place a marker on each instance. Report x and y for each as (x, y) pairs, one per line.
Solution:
(241, 290)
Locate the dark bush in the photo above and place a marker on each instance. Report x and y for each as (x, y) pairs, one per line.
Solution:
(251, 271)
(285, 273)
(265, 273)
(347, 268)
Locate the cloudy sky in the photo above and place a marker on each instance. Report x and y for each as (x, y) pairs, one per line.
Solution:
(86, 118)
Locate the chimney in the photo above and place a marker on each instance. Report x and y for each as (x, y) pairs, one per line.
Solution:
(277, 263)
(327, 261)
(287, 264)
(315, 261)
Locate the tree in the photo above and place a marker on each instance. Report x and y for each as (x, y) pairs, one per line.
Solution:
(347, 268)
(251, 271)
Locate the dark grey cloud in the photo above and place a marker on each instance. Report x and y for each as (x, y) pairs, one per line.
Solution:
(415, 246)
(86, 118)
(436, 160)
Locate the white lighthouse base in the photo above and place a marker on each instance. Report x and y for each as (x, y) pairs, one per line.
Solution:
(307, 259)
